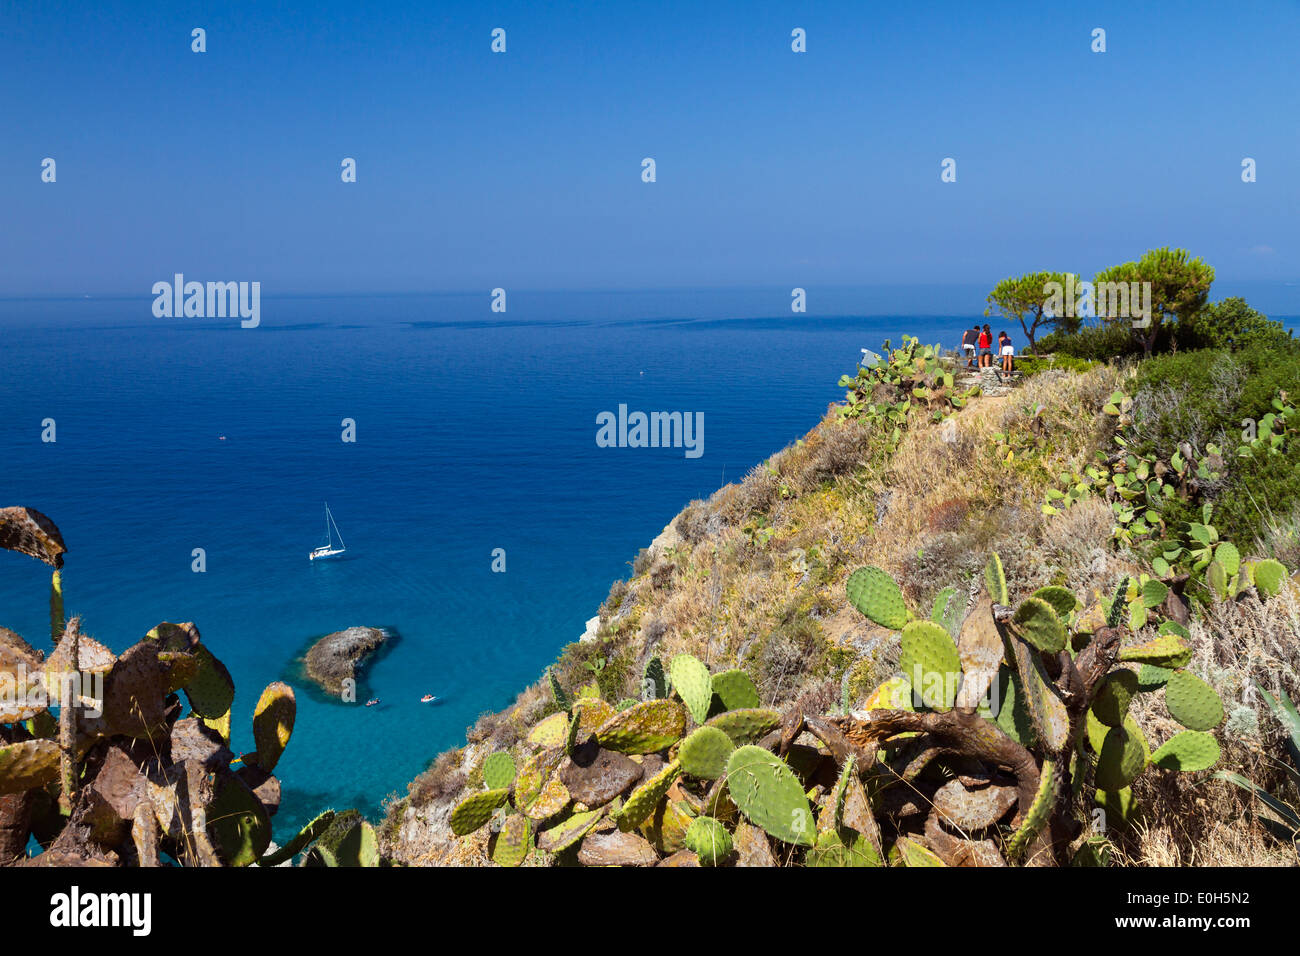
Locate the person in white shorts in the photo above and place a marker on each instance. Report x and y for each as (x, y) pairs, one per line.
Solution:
(1007, 351)
(968, 345)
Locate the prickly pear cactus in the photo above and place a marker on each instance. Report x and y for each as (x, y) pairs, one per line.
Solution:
(874, 593)
(273, 721)
(28, 765)
(693, 684)
(734, 690)
(1192, 702)
(1035, 622)
(930, 662)
(498, 771)
(650, 726)
(515, 841)
(709, 841)
(1188, 751)
(748, 725)
(704, 753)
(767, 792)
(645, 798)
(476, 810)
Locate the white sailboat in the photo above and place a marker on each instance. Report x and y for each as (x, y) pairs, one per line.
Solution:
(328, 550)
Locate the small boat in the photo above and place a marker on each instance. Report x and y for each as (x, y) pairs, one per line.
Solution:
(327, 550)
(428, 699)
(372, 701)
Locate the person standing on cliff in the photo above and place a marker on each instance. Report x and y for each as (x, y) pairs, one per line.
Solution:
(968, 345)
(985, 343)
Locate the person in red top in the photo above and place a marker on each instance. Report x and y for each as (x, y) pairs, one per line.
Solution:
(985, 344)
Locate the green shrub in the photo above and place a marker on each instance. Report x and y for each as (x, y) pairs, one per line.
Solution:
(1232, 324)
(1096, 343)
(1204, 396)
(1065, 362)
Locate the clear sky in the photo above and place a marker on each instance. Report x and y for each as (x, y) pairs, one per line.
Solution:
(523, 169)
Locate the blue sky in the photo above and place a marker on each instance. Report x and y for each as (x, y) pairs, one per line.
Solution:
(523, 170)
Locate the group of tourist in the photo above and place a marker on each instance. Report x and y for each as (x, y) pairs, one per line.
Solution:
(977, 344)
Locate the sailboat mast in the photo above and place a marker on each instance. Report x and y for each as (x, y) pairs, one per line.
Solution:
(342, 546)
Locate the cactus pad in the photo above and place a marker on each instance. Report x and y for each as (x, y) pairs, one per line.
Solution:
(359, 846)
(693, 684)
(907, 852)
(211, 690)
(1036, 623)
(1269, 577)
(30, 764)
(562, 698)
(569, 831)
(551, 732)
(514, 842)
(1013, 712)
(237, 822)
(893, 694)
(930, 662)
(947, 610)
(499, 771)
(1229, 557)
(995, 579)
(734, 690)
(746, 726)
(1062, 600)
(1121, 757)
(1187, 751)
(709, 840)
(842, 848)
(643, 800)
(476, 810)
(1117, 692)
(973, 809)
(1192, 702)
(981, 649)
(704, 753)
(300, 840)
(592, 712)
(1154, 593)
(648, 727)
(1152, 678)
(1165, 651)
(874, 593)
(767, 792)
(654, 682)
(273, 723)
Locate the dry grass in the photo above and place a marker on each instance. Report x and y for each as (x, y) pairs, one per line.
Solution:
(1194, 820)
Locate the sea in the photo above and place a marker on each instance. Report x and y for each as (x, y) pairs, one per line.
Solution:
(475, 444)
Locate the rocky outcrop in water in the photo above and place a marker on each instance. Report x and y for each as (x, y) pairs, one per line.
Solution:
(340, 656)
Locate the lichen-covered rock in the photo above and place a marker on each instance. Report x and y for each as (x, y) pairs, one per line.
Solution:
(594, 776)
(616, 848)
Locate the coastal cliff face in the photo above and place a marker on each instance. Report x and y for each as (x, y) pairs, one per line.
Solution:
(754, 578)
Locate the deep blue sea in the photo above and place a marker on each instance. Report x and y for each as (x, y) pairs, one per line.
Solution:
(474, 430)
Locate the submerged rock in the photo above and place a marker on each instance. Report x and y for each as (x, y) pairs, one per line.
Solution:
(339, 656)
